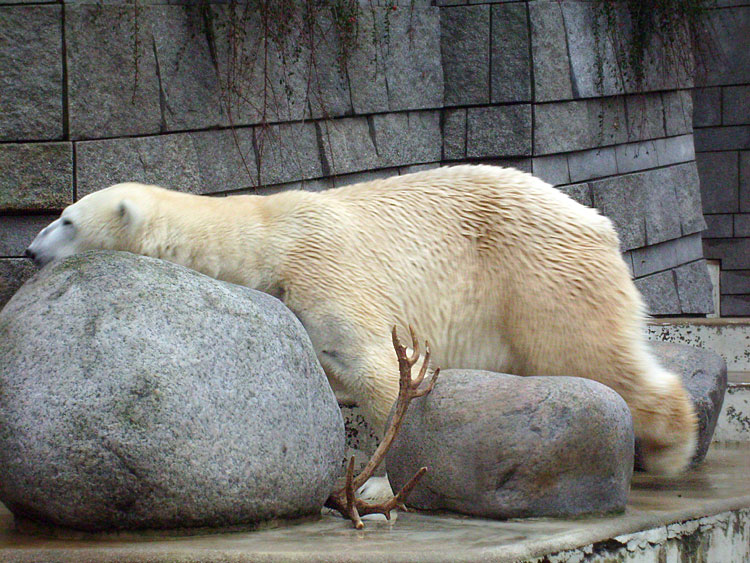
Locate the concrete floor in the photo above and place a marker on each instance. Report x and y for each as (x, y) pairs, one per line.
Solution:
(720, 485)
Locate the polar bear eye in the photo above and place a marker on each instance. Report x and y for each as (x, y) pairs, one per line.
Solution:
(66, 222)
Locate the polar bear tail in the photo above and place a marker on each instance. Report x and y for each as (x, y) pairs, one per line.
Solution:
(665, 422)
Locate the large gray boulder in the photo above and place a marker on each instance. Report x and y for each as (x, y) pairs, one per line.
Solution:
(503, 446)
(135, 393)
(704, 374)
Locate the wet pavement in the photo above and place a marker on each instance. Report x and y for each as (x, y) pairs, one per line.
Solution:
(720, 484)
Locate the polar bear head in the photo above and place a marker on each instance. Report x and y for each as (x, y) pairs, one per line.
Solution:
(107, 219)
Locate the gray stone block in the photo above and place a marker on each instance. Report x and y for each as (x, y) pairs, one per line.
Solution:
(549, 50)
(166, 160)
(347, 145)
(736, 105)
(704, 376)
(744, 176)
(706, 107)
(579, 192)
(719, 180)
(552, 169)
(226, 159)
(684, 179)
(734, 253)
(659, 293)
(113, 84)
(735, 282)
(578, 125)
(498, 131)
(730, 63)
(17, 232)
(593, 163)
(694, 288)
(722, 138)
(666, 255)
(645, 115)
(191, 96)
(287, 152)
(510, 57)
(735, 305)
(636, 156)
(621, 199)
(367, 176)
(454, 134)
(259, 81)
(595, 68)
(192, 434)
(465, 49)
(674, 150)
(742, 225)
(719, 226)
(31, 73)
(13, 273)
(366, 63)
(36, 176)
(678, 112)
(490, 462)
(407, 138)
(413, 65)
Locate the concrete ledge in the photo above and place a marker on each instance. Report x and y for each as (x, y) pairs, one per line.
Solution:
(718, 487)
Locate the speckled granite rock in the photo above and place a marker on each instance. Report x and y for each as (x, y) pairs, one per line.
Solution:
(704, 374)
(503, 446)
(135, 393)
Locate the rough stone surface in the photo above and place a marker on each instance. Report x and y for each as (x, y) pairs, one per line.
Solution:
(659, 292)
(719, 226)
(645, 117)
(407, 138)
(735, 305)
(694, 288)
(593, 163)
(704, 374)
(347, 145)
(665, 255)
(736, 105)
(288, 152)
(684, 178)
(177, 401)
(549, 446)
(728, 138)
(509, 58)
(36, 176)
(549, 52)
(719, 181)
(733, 253)
(621, 200)
(636, 156)
(31, 73)
(189, 85)
(112, 72)
(706, 107)
(744, 181)
(165, 160)
(454, 134)
(678, 112)
(594, 68)
(674, 150)
(13, 273)
(552, 169)
(17, 232)
(585, 123)
(498, 131)
(465, 49)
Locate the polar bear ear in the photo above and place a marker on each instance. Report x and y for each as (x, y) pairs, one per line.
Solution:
(129, 213)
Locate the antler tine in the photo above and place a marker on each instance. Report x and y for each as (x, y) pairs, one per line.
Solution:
(351, 500)
(414, 345)
(430, 385)
(425, 364)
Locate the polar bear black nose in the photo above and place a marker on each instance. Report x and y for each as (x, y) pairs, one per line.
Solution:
(30, 254)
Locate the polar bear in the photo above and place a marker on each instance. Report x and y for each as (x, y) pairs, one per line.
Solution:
(497, 269)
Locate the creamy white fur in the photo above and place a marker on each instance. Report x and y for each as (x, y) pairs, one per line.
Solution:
(497, 269)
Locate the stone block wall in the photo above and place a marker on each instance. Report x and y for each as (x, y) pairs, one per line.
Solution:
(95, 93)
(722, 143)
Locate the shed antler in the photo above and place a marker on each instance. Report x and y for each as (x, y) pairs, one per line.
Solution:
(343, 499)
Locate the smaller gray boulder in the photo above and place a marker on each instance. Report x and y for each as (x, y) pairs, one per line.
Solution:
(704, 374)
(135, 393)
(503, 446)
